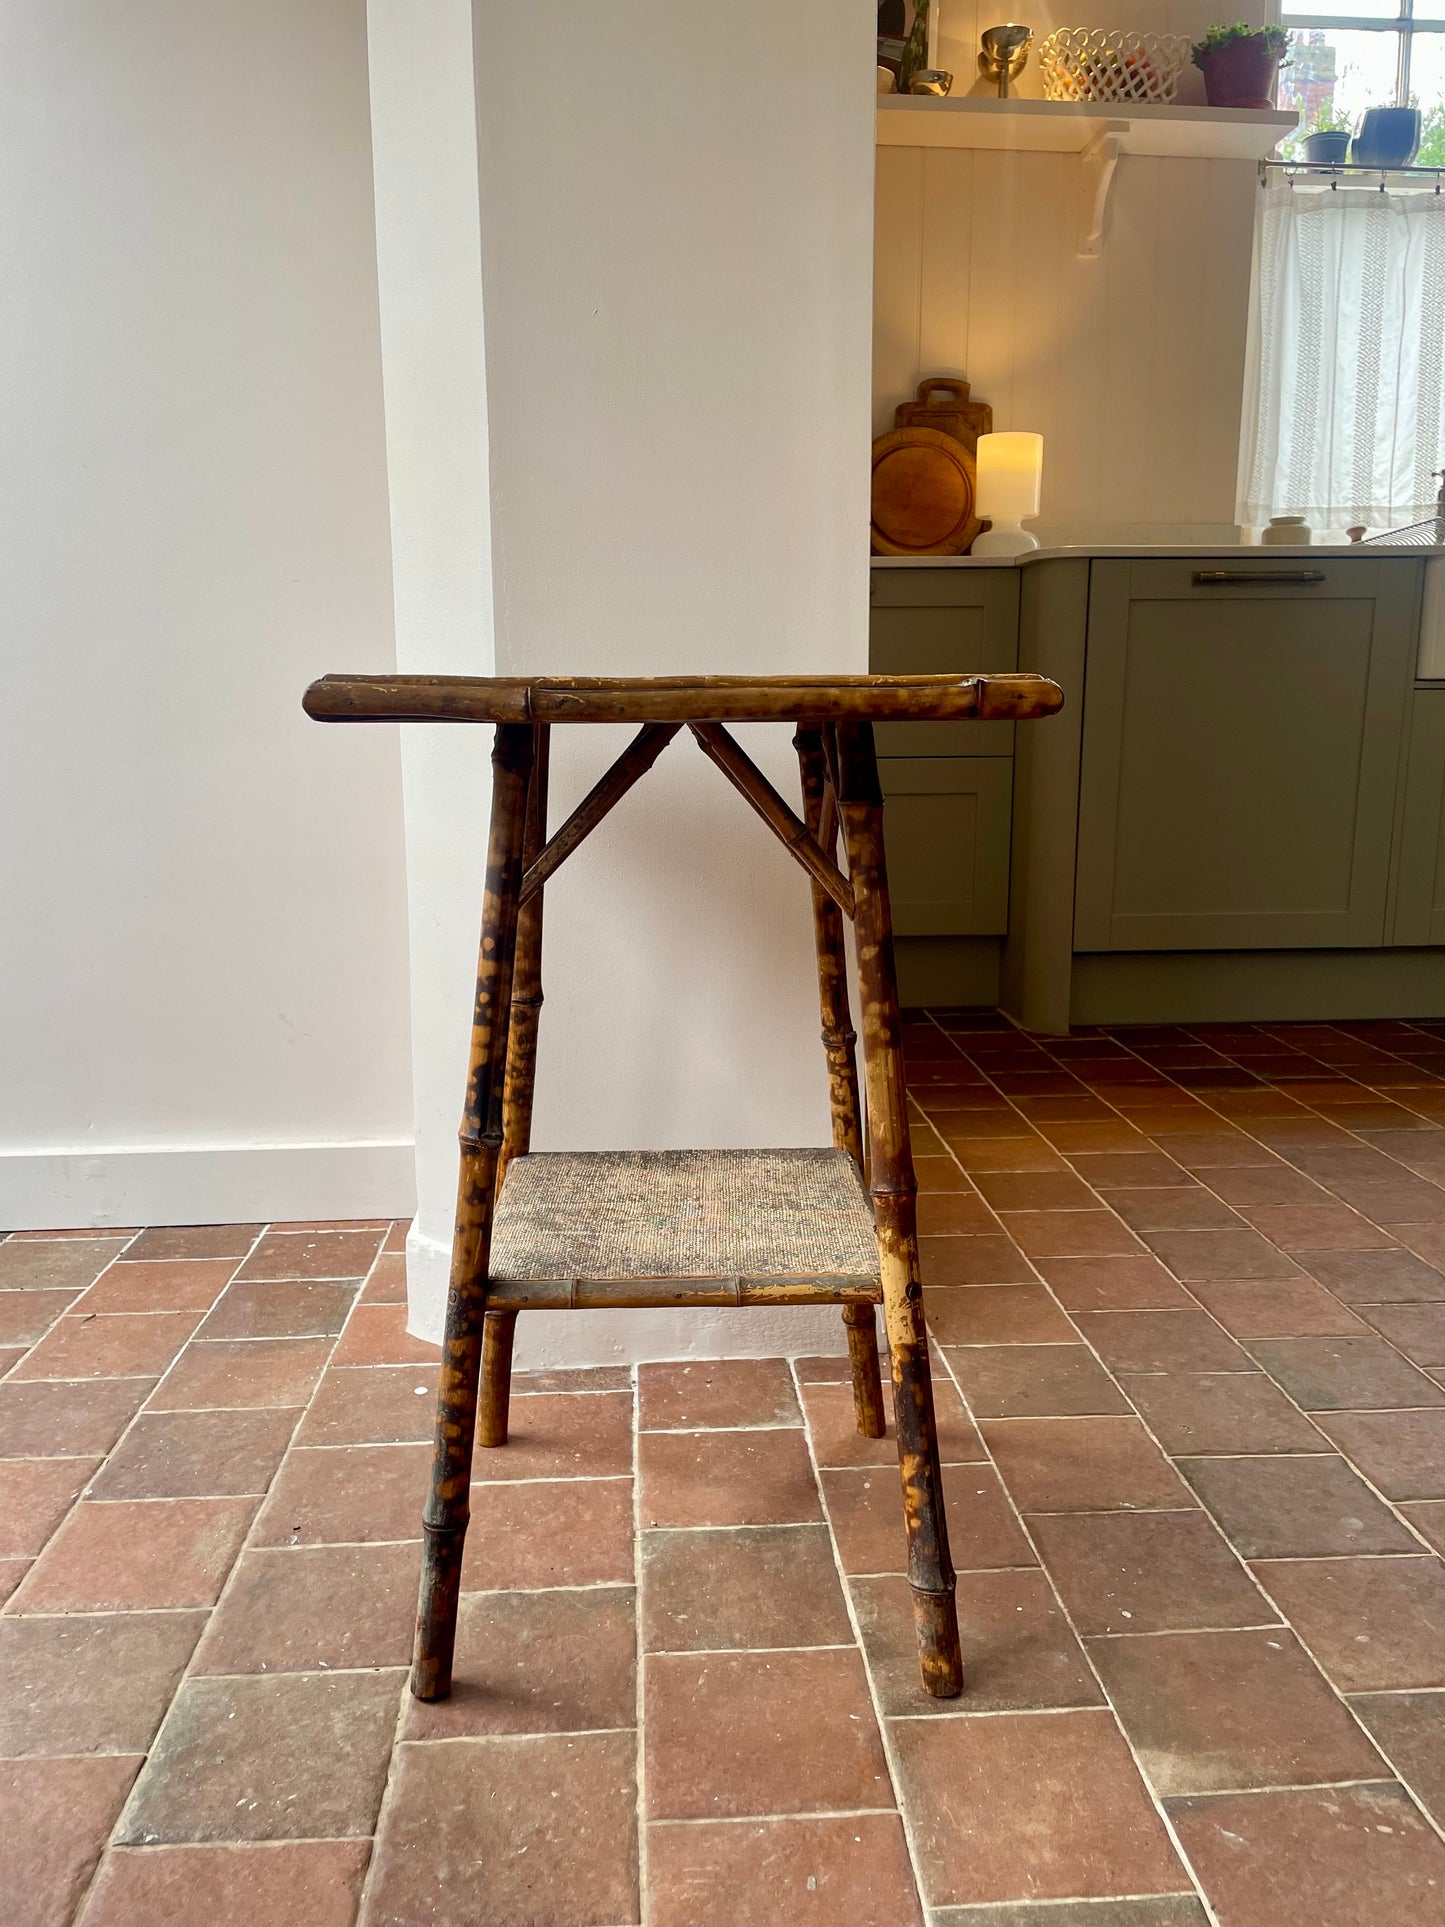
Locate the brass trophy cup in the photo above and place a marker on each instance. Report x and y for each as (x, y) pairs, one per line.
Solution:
(1005, 50)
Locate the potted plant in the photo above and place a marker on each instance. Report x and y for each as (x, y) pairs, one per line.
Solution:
(1240, 63)
(1327, 144)
(1388, 137)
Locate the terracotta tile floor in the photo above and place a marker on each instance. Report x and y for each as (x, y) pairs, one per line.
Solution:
(1188, 1289)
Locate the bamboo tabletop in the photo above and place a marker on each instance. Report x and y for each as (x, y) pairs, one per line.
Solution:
(681, 699)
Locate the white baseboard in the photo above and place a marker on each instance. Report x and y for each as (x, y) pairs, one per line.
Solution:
(554, 1340)
(206, 1184)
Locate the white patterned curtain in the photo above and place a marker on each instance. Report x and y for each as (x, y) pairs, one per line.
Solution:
(1347, 358)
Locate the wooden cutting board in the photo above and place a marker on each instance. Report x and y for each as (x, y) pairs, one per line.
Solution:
(923, 493)
(942, 402)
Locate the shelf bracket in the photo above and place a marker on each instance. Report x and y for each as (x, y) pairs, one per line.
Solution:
(1097, 162)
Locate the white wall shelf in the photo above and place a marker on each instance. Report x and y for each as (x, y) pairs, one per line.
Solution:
(1098, 132)
(1069, 127)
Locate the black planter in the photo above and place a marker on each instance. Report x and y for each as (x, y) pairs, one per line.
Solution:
(1388, 137)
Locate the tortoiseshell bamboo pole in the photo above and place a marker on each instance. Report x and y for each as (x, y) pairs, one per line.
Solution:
(1013, 697)
(444, 1522)
(839, 1039)
(501, 1326)
(894, 1190)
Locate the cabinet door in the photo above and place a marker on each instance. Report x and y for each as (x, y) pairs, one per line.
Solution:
(946, 827)
(939, 622)
(1420, 891)
(1242, 741)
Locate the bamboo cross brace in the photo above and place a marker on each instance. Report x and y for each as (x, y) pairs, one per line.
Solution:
(634, 762)
(745, 776)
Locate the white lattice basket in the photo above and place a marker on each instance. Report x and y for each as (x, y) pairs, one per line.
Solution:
(1084, 63)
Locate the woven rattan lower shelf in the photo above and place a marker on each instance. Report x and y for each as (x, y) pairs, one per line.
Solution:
(643, 1228)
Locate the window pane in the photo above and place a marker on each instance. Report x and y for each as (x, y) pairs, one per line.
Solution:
(1427, 92)
(1348, 9)
(1333, 76)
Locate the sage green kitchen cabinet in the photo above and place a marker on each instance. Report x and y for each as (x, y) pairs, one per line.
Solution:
(946, 827)
(947, 786)
(1242, 747)
(1420, 889)
(934, 622)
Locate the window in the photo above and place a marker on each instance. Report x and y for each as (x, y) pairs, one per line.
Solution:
(1347, 55)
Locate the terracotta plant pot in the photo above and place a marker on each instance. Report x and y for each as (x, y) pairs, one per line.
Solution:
(1241, 73)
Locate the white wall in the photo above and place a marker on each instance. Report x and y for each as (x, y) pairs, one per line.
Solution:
(1131, 364)
(676, 229)
(202, 962)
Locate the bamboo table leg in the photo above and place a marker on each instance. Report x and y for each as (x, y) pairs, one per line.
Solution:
(444, 1522)
(839, 1038)
(892, 1183)
(520, 1083)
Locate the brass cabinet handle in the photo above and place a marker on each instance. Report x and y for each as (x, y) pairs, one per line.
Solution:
(1212, 578)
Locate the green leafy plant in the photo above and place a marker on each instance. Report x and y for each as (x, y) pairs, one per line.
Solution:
(1275, 38)
(1329, 120)
(1432, 136)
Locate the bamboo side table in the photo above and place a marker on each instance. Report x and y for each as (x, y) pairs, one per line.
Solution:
(687, 1227)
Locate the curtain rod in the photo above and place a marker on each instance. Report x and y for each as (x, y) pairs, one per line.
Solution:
(1329, 170)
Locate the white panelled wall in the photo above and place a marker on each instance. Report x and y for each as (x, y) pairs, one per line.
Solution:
(1130, 364)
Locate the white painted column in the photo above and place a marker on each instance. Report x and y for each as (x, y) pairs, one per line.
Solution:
(424, 146)
(675, 217)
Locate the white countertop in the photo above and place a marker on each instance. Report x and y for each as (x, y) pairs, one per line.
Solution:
(1144, 551)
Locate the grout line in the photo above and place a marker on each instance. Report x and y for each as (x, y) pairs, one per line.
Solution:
(767, 1819)
(769, 1525)
(1301, 1786)
(1393, 1692)
(954, 1711)
(1332, 1558)
(294, 1672)
(1189, 1632)
(151, 1848)
(711, 1431)
(529, 1737)
(732, 1652)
